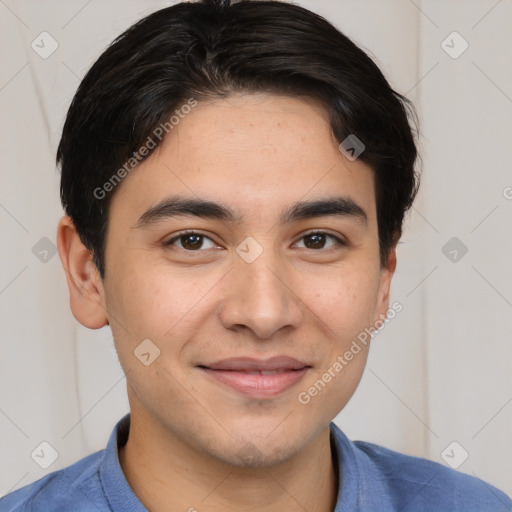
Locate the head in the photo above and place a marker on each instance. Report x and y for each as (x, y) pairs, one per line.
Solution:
(226, 121)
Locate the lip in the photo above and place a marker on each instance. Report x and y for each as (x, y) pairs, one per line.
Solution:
(257, 378)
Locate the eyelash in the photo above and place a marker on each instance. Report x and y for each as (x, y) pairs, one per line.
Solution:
(339, 241)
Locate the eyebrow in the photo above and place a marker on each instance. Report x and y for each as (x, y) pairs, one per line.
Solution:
(176, 206)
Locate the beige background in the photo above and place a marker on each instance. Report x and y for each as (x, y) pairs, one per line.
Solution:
(439, 372)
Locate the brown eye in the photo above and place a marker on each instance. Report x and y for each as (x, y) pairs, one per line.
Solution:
(319, 240)
(315, 241)
(190, 241)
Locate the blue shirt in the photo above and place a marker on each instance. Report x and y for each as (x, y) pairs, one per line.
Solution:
(372, 479)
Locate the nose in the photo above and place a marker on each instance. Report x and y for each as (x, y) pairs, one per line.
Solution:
(261, 299)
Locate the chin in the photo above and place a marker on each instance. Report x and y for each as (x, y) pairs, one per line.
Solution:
(261, 444)
(258, 454)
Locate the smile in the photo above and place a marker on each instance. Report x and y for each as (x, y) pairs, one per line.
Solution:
(257, 378)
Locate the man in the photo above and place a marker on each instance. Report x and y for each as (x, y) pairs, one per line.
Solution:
(235, 179)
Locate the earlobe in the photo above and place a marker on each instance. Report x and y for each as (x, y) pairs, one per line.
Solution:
(86, 292)
(386, 275)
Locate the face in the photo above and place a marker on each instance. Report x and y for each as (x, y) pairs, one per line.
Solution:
(255, 303)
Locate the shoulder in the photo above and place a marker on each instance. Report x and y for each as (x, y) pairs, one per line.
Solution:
(416, 484)
(76, 487)
(376, 479)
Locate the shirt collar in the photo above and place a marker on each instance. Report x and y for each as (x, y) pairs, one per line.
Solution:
(120, 495)
(360, 485)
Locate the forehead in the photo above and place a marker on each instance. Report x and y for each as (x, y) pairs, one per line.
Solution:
(251, 151)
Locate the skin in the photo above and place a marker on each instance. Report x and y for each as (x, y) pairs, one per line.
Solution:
(258, 154)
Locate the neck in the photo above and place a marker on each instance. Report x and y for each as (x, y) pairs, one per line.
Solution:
(166, 474)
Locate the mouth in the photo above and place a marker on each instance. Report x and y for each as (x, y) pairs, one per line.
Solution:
(257, 378)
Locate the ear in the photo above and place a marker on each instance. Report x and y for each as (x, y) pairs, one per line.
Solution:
(86, 293)
(386, 275)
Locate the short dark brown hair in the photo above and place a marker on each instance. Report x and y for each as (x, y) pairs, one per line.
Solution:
(213, 49)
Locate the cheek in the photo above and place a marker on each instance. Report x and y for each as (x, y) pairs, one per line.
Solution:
(150, 299)
(345, 308)
(347, 299)
(150, 305)
(346, 305)
(166, 307)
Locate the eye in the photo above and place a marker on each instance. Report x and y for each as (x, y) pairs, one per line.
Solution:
(191, 241)
(318, 240)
